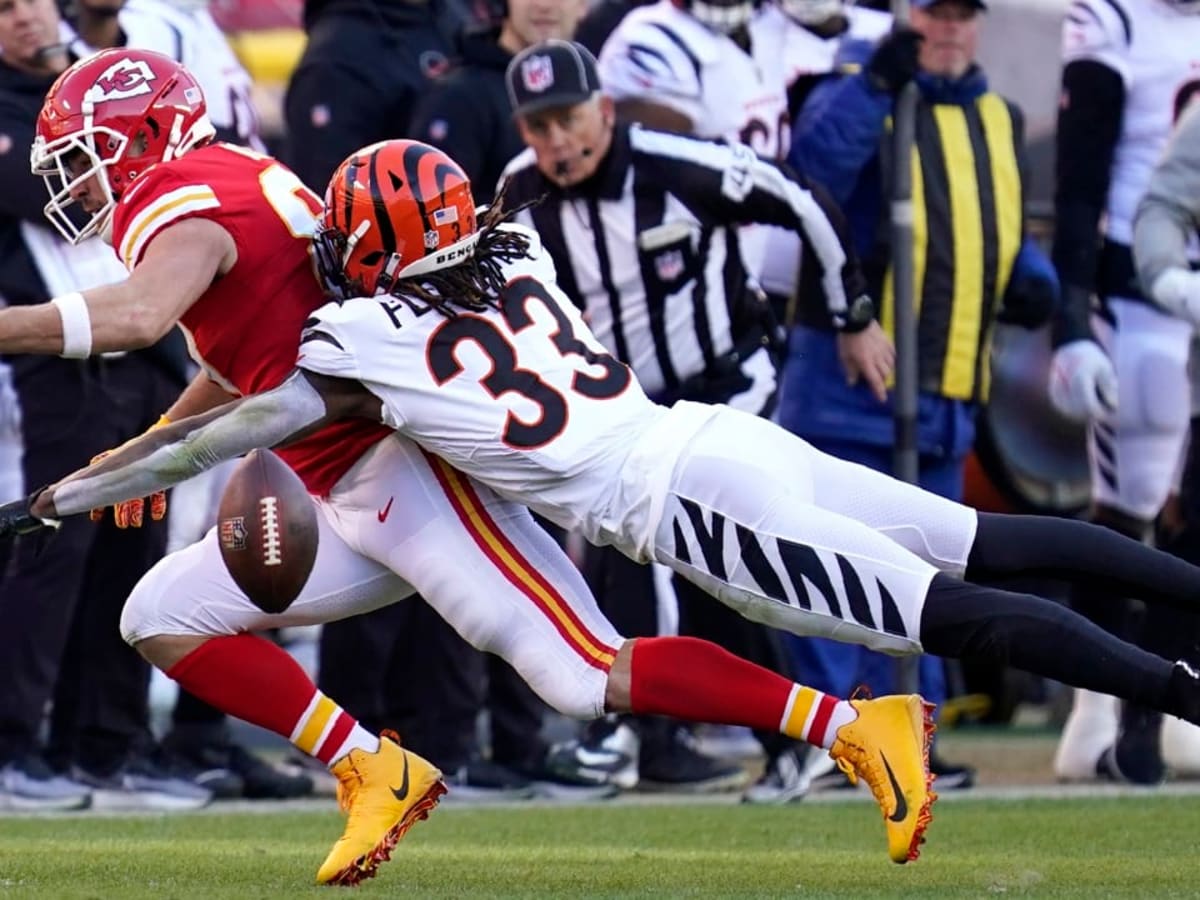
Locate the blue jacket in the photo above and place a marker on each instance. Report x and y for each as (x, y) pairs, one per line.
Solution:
(836, 141)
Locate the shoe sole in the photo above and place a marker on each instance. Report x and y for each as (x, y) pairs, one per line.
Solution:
(107, 800)
(41, 804)
(367, 865)
(925, 814)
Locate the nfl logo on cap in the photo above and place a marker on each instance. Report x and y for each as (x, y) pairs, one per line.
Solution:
(537, 73)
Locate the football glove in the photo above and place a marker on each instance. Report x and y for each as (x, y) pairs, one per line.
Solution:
(131, 513)
(894, 62)
(16, 519)
(1177, 291)
(1083, 382)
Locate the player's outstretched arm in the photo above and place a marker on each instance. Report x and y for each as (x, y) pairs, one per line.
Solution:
(178, 451)
(179, 265)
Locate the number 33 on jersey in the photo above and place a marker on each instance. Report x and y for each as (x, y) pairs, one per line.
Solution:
(518, 373)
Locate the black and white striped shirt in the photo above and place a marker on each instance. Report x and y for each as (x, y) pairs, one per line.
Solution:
(648, 246)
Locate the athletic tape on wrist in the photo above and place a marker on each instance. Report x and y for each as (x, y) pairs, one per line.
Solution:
(76, 325)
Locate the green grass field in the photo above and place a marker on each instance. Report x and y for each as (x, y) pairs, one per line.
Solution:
(1144, 847)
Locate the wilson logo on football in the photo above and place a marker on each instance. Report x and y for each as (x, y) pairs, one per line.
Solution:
(233, 533)
(124, 78)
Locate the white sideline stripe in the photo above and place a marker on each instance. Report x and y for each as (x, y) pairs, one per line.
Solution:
(1014, 793)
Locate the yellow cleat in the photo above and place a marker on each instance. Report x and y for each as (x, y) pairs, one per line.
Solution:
(888, 745)
(384, 793)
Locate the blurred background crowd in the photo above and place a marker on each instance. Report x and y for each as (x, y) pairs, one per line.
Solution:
(1037, 125)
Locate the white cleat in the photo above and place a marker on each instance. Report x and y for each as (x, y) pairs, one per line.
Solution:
(1090, 730)
(1181, 747)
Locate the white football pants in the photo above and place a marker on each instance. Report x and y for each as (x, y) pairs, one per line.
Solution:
(1136, 454)
(800, 540)
(401, 522)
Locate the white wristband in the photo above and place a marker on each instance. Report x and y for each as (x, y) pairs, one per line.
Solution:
(76, 325)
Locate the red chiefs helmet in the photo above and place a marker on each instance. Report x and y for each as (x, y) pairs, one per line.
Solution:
(393, 210)
(113, 116)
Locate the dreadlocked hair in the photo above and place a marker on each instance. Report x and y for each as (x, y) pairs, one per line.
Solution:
(474, 284)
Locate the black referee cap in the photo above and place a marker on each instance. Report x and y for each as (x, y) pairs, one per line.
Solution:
(552, 73)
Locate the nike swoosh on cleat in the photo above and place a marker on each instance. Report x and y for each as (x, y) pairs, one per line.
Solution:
(901, 804)
(386, 511)
(401, 792)
(597, 759)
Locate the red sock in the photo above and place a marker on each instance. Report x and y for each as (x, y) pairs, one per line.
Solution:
(687, 678)
(251, 678)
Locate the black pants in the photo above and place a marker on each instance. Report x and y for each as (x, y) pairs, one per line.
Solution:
(61, 601)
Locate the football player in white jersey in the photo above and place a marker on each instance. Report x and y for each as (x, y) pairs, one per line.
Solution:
(712, 69)
(810, 48)
(455, 334)
(1129, 66)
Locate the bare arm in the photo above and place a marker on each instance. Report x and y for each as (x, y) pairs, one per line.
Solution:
(176, 452)
(179, 265)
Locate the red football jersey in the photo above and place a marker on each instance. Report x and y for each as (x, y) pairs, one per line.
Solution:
(245, 329)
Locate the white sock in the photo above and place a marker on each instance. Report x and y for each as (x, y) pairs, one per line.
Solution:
(358, 739)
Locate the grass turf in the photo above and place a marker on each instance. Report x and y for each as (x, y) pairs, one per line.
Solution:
(1036, 848)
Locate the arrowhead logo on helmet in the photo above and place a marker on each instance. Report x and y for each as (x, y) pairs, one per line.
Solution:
(123, 79)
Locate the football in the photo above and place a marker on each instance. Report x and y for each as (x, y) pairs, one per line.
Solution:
(267, 528)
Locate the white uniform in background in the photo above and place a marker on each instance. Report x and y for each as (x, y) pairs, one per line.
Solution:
(1156, 51)
(664, 55)
(1136, 453)
(807, 55)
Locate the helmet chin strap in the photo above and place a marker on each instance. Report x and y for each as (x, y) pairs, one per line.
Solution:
(176, 136)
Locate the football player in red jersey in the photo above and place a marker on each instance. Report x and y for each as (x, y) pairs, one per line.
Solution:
(218, 240)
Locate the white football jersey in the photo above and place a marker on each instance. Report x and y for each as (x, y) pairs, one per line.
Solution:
(808, 55)
(1156, 51)
(192, 37)
(523, 398)
(662, 54)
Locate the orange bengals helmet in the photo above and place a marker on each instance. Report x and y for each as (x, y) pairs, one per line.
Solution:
(113, 115)
(393, 210)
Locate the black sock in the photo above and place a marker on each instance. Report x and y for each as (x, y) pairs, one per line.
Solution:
(1040, 636)
(1091, 557)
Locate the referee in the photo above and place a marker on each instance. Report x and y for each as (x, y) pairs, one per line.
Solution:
(643, 230)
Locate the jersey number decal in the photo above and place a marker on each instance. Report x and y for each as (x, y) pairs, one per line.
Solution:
(756, 134)
(296, 206)
(507, 374)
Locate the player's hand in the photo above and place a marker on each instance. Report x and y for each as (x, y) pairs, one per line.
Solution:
(1083, 382)
(894, 62)
(870, 355)
(16, 519)
(131, 513)
(1177, 290)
